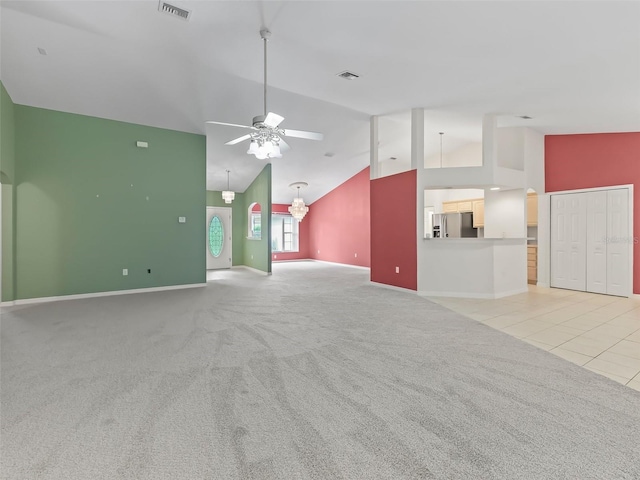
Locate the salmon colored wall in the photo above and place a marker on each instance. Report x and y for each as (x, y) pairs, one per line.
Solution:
(393, 230)
(303, 241)
(339, 223)
(597, 160)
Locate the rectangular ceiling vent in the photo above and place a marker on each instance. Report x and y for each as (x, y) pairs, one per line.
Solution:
(173, 10)
(348, 75)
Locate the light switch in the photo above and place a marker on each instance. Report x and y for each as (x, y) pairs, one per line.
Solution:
(182, 219)
(125, 272)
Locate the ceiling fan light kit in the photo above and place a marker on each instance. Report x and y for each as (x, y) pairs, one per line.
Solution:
(266, 139)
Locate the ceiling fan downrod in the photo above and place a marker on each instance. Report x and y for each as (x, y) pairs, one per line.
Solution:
(265, 34)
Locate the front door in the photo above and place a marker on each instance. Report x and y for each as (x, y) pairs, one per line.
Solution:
(218, 237)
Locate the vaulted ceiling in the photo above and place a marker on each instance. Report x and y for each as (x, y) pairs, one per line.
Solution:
(572, 66)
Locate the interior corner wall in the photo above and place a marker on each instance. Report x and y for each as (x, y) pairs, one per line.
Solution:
(7, 190)
(303, 237)
(257, 252)
(90, 203)
(597, 160)
(339, 223)
(238, 226)
(393, 230)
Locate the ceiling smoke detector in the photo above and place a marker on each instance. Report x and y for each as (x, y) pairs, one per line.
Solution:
(348, 75)
(169, 9)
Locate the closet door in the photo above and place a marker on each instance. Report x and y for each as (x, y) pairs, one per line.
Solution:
(618, 238)
(568, 241)
(597, 242)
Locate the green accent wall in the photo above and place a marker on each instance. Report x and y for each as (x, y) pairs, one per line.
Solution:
(257, 253)
(91, 203)
(214, 199)
(7, 176)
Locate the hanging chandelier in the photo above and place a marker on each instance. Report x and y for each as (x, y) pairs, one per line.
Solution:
(228, 195)
(298, 209)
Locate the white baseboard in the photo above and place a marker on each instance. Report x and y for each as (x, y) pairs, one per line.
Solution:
(254, 270)
(488, 296)
(29, 301)
(341, 264)
(392, 287)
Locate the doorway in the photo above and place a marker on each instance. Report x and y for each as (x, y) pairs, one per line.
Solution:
(591, 242)
(219, 236)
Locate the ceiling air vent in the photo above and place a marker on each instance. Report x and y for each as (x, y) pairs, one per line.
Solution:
(173, 10)
(348, 75)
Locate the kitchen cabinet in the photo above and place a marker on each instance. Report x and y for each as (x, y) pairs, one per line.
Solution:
(478, 213)
(532, 264)
(449, 207)
(532, 209)
(461, 206)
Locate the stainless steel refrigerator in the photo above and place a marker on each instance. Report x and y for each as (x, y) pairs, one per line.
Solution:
(454, 225)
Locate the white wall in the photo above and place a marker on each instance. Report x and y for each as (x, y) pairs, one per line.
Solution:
(510, 269)
(391, 167)
(510, 147)
(504, 214)
(534, 173)
(474, 268)
(469, 155)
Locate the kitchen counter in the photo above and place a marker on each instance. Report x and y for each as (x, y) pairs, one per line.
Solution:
(472, 267)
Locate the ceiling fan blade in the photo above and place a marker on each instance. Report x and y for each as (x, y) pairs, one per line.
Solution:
(231, 124)
(303, 134)
(284, 146)
(238, 140)
(273, 120)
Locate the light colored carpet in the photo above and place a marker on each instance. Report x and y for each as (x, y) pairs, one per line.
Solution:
(310, 373)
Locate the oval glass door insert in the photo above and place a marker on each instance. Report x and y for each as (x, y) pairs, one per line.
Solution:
(216, 236)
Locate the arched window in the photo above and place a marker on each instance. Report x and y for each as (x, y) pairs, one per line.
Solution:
(255, 221)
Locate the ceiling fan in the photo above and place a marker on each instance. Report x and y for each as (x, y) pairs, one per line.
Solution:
(266, 138)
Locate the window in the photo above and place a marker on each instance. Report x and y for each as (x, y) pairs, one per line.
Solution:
(284, 233)
(255, 227)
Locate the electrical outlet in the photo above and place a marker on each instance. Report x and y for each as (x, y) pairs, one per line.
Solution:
(318, 252)
(397, 269)
(356, 255)
(251, 257)
(275, 256)
(125, 272)
(148, 270)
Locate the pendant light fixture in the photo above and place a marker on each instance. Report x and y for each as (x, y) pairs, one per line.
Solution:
(228, 195)
(298, 209)
(441, 134)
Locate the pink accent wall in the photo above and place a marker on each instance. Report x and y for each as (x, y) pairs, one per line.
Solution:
(596, 160)
(393, 230)
(339, 223)
(303, 242)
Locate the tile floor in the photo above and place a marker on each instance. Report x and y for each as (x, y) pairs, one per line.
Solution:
(599, 332)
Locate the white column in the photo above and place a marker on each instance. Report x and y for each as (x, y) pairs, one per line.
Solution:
(417, 138)
(374, 170)
(417, 163)
(489, 147)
